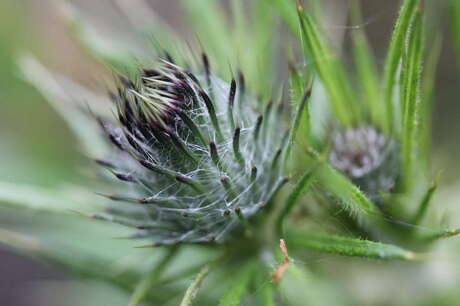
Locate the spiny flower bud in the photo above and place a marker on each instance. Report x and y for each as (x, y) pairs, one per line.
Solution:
(367, 157)
(200, 159)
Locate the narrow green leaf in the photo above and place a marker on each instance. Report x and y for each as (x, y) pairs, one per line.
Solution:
(367, 70)
(426, 108)
(348, 246)
(440, 234)
(192, 290)
(330, 70)
(298, 88)
(349, 195)
(393, 59)
(297, 84)
(423, 208)
(238, 287)
(301, 137)
(412, 67)
(266, 295)
(298, 190)
(145, 285)
(300, 113)
(454, 8)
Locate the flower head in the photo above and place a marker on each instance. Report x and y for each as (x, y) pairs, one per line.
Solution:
(200, 159)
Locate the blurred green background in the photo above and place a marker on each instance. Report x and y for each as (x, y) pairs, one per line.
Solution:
(37, 148)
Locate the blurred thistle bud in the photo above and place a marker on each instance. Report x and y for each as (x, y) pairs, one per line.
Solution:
(367, 157)
(202, 162)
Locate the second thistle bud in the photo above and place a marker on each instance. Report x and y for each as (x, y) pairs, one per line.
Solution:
(367, 157)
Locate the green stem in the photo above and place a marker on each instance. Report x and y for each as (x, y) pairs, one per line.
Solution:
(151, 278)
(192, 290)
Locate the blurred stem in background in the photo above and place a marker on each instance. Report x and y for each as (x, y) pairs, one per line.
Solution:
(455, 21)
(35, 148)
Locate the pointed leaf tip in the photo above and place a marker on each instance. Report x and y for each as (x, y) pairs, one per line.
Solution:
(299, 6)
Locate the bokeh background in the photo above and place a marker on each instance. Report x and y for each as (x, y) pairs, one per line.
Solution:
(37, 148)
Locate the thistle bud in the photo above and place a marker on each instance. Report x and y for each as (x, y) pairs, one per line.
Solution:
(367, 157)
(200, 159)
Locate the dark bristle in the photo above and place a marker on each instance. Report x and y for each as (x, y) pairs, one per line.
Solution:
(212, 113)
(242, 82)
(232, 92)
(124, 177)
(114, 137)
(207, 68)
(105, 163)
(207, 100)
(257, 128)
(160, 136)
(126, 82)
(149, 73)
(187, 93)
(242, 90)
(280, 108)
(236, 146)
(268, 108)
(236, 135)
(239, 213)
(190, 182)
(276, 158)
(118, 198)
(193, 78)
(169, 57)
(133, 142)
(253, 173)
(113, 97)
(155, 168)
(228, 188)
(231, 102)
(267, 115)
(181, 179)
(214, 154)
(147, 164)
